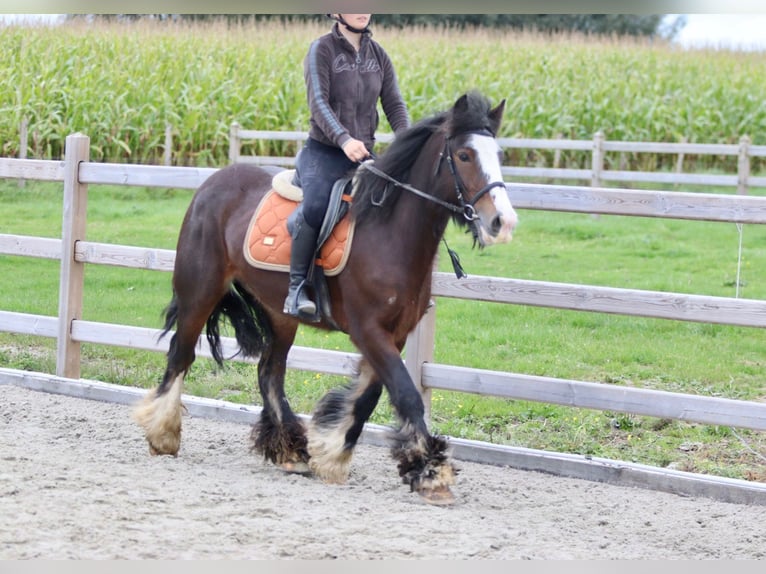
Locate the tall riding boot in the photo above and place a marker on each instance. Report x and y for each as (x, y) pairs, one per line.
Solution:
(301, 257)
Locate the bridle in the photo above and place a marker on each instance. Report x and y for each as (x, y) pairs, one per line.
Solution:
(466, 208)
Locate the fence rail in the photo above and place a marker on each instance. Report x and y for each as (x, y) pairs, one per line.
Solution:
(597, 174)
(74, 252)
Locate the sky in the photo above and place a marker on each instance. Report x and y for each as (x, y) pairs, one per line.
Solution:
(734, 31)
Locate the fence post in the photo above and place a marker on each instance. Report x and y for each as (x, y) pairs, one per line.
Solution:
(71, 281)
(168, 154)
(743, 165)
(681, 156)
(420, 349)
(23, 137)
(597, 163)
(234, 143)
(557, 152)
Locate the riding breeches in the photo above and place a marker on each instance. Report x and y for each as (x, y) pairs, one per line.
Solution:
(318, 167)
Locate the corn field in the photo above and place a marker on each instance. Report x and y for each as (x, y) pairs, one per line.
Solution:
(123, 83)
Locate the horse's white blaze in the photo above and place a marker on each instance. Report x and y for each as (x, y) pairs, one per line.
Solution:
(160, 417)
(487, 156)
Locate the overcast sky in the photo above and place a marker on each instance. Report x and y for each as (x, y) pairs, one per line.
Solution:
(737, 31)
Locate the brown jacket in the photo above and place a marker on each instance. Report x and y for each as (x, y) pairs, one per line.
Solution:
(343, 88)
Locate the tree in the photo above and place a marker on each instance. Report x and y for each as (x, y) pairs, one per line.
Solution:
(647, 25)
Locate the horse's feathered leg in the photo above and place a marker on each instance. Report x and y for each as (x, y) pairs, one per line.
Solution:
(279, 435)
(159, 413)
(423, 459)
(338, 421)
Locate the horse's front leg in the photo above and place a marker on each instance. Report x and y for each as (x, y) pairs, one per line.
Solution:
(423, 458)
(337, 423)
(424, 462)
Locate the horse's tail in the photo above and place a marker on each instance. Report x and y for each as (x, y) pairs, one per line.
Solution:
(171, 316)
(252, 327)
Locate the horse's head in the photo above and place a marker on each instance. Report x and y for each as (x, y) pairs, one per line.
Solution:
(474, 158)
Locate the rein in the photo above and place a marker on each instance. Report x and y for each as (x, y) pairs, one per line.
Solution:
(466, 208)
(383, 175)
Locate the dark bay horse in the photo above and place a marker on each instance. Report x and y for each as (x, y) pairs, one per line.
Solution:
(444, 167)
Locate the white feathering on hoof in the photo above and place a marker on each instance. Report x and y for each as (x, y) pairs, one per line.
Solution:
(440, 477)
(329, 460)
(330, 457)
(424, 463)
(160, 417)
(434, 485)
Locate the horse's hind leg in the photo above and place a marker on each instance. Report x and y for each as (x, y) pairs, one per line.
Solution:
(198, 288)
(159, 413)
(337, 423)
(279, 435)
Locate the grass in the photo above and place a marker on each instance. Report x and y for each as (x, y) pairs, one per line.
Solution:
(639, 253)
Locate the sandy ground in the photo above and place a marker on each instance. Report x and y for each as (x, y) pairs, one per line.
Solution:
(77, 482)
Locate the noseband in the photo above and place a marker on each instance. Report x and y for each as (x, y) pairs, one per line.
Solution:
(466, 208)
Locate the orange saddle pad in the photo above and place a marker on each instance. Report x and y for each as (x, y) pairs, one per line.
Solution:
(267, 242)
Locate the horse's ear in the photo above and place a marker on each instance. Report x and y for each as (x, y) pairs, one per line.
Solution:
(462, 103)
(496, 116)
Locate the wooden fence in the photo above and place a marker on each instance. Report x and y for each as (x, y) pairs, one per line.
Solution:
(70, 331)
(596, 175)
(598, 148)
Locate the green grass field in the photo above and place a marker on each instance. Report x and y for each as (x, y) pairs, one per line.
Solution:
(641, 253)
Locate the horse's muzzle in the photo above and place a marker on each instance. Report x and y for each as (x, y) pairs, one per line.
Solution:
(497, 228)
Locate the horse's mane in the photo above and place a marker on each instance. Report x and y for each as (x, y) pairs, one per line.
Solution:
(397, 162)
(372, 198)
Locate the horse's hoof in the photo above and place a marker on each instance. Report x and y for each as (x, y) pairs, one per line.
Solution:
(439, 496)
(295, 467)
(157, 452)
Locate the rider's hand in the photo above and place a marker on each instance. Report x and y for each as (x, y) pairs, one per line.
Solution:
(355, 150)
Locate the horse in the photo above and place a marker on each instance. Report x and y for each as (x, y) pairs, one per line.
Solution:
(444, 167)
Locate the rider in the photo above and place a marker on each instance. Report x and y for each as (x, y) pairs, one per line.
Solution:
(346, 73)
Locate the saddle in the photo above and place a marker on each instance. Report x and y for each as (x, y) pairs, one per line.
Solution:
(269, 235)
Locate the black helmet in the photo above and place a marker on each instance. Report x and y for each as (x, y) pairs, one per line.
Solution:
(340, 19)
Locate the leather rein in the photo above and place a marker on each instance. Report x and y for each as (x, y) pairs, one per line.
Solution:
(466, 208)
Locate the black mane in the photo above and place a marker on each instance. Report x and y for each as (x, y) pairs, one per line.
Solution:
(397, 162)
(470, 114)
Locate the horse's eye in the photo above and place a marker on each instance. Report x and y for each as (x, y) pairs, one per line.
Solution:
(463, 156)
